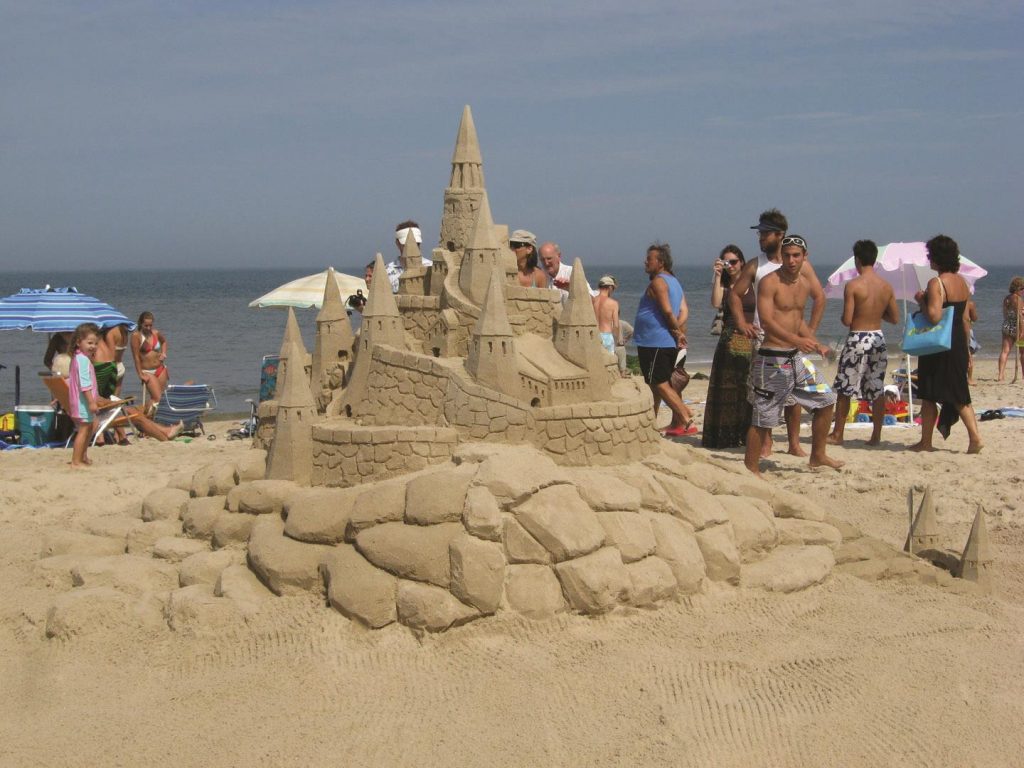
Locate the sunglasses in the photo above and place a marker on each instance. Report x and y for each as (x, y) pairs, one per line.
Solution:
(795, 241)
(514, 246)
(731, 262)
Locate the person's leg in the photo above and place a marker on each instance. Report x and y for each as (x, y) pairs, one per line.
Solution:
(970, 368)
(971, 422)
(81, 444)
(929, 412)
(793, 430)
(1004, 352)
(681, 415)
(752, 456)
(819, 432)
(150, 428)
(877, 419)
(1018, 361)
(842, 408)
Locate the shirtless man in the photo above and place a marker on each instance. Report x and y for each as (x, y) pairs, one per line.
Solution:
(771, 231)
(607, 310)
(779, 371)
(107, 361)
(867, 300)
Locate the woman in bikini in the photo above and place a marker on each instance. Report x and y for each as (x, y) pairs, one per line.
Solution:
(149, 349)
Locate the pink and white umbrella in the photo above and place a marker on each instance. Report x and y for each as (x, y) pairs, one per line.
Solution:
(905, 267)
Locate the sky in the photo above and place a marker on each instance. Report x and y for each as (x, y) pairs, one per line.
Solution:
(137, 135)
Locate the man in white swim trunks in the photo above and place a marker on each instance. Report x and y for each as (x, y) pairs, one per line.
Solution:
(607, 311)
(867, 301)
(771, 229)
(779, 372)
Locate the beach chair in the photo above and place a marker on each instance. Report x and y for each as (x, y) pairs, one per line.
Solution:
(268, 383)
(110, 416)
(185, 403)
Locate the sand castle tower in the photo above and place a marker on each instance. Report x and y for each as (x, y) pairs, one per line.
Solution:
(382, 324)
(482, 256)
(466, 187)
(292, 335)
(976, 562)
(492, 352)
(413, 280)
(924, 533)
(576, 335)
(332, 353)
(291, 453)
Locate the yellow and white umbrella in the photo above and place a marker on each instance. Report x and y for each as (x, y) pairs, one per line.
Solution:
(308, 291)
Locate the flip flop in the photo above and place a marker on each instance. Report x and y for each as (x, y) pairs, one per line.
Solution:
(681, 431)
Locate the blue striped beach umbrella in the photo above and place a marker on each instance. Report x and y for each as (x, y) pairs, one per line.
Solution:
(56, 309)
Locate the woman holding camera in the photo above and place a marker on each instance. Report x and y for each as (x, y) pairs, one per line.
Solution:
(727, 414)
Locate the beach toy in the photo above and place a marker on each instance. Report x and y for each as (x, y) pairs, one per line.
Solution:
(889, 420)
(863, 418)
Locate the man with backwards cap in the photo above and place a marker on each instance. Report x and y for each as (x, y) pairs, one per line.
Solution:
(524, 245)
(771, 230)
(607, 311)
(402, 232)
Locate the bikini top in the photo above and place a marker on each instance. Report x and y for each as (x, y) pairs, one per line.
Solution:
(153, 341)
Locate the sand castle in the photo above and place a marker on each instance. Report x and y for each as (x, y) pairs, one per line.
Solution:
(472, 451)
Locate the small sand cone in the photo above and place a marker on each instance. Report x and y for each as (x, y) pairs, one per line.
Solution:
(976, 562)
(924, 533)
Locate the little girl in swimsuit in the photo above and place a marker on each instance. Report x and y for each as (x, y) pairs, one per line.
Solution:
(82, 390)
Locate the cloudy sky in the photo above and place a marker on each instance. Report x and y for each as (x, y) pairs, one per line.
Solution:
(256, 133)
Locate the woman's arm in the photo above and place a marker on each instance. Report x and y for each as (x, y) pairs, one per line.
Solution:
(136, 344)
(163, 346)
(717, 291)
(931, 302)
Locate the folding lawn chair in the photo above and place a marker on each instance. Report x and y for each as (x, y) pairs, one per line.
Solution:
(109, 416)
(185, 403)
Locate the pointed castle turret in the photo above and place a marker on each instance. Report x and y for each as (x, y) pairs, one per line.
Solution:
(334, 340)
(924, 533)
(382, 324)
(292, 335)
(492, 351)
(576, 335)
(976, 562)
(462, 197)
(412, 281)
(483, 254)
(291, 453)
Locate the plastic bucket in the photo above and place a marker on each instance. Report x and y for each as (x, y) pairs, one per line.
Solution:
(35, 424)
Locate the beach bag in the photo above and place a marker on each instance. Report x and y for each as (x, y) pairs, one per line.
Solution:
(922, 338)
(679, 379)
(716, 324)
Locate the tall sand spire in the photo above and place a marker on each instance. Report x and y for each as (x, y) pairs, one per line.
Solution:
(291, 453)
(465, 187)
(292, 336)
(483, 253)
(334, 338)
(492, 356)
(576, 335)
(924, 533)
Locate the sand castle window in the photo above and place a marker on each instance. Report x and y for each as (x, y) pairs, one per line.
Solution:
(535, 402)
(348, 411)
(436, 351)
(490, 346)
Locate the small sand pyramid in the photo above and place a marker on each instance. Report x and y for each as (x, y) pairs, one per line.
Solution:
(976, 562)
(483, 253)
(492, 352)
(924, 533)
(576, 335)
(412, 280)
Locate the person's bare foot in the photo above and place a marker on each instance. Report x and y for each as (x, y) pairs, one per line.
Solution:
(919, 448)
(826, 461)
(975, 447)
(796, 450)
(176, 430)
(874, 441)
(834, 439)
(754, 470)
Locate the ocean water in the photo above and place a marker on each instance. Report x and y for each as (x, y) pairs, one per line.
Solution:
(215, 338)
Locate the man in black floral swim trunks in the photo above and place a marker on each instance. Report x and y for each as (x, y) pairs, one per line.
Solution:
(867, 300)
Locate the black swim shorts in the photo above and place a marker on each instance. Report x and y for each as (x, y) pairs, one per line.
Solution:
(657, 363)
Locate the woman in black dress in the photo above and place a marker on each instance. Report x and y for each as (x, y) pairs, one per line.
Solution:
(942, 377)
(727, 413)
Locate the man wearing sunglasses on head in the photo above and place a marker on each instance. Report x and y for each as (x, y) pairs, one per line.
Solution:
(780, 372)
(771, 232)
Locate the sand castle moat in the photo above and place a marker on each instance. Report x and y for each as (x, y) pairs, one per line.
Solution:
(471, 451)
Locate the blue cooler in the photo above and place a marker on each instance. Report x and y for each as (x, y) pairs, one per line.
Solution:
(35, 424)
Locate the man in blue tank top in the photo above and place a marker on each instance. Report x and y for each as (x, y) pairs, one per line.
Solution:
(659, 334)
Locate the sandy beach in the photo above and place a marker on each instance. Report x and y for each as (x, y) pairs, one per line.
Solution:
(849, 673)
